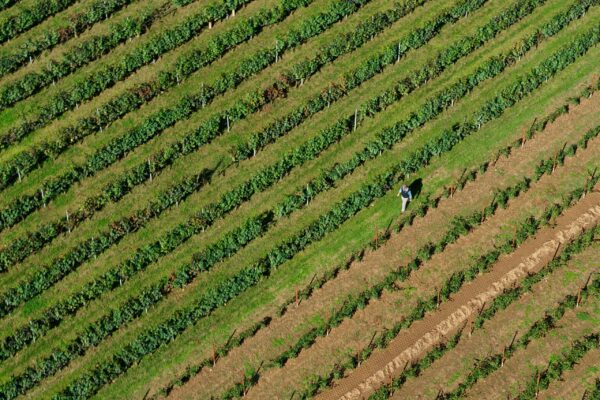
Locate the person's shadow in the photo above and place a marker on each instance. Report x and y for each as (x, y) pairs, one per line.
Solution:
(416, 187)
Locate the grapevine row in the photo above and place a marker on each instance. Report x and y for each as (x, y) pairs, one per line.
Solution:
(28, 18)
(150, 340)
(75, 58)
(559, 364)
(79, 22)
(594, 393)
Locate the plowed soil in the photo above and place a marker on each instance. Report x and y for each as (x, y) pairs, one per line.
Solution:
(524, 364)
(446, 373)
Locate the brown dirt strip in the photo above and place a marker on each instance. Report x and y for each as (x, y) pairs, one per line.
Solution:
(452, 315)
(375, 265)
(519, 369)
(576, 382)
(446, 373)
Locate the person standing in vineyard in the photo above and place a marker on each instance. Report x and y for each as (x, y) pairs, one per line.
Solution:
(406, 196)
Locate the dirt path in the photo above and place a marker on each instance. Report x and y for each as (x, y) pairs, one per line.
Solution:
(519, 369)
(425, 334)
(574, 383)
(446, 373)
(269, 343)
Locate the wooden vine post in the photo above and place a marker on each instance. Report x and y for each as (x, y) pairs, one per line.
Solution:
(214, 355)
(556, 251)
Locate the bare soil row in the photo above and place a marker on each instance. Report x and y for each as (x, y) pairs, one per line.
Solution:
(446, 373)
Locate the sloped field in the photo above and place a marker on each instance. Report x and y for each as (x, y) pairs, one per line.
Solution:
(198, 199)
